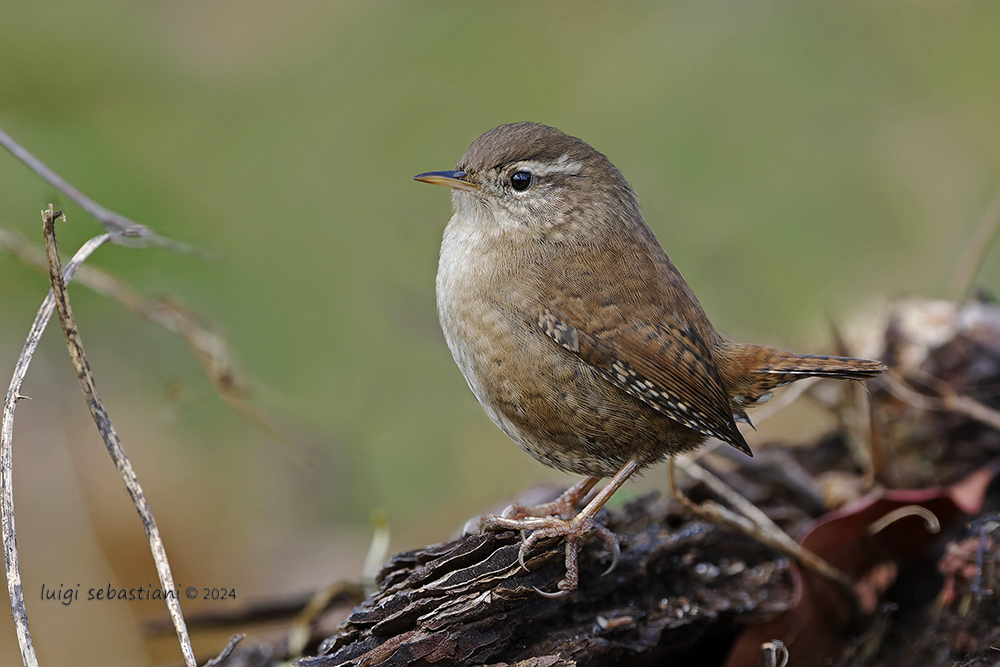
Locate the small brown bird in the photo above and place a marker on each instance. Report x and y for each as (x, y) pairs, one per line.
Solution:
(576, 332)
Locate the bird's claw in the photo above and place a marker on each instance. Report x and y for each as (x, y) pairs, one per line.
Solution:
(560, 593)
(572, 534)
(610, 541)
(520, 556)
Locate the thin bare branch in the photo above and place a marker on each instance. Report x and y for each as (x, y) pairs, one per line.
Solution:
(107, 431)
(122, 230)
(28, 656)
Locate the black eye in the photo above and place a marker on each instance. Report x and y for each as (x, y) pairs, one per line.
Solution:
(520, 180)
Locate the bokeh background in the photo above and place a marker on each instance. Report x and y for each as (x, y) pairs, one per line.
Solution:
(799, 161)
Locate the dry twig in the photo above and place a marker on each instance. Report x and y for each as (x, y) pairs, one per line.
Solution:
(226, 652)
(18, 610)
(107, 431)
(121, 230)
(948, 399)
(755, 524)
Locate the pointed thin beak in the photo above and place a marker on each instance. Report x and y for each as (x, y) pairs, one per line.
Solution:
(453, 179)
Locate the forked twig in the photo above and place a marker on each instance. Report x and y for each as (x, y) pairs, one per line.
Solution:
(18, 610)
(107, 431)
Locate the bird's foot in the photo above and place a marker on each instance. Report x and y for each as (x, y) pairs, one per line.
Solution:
(563, 507)
(572, 531)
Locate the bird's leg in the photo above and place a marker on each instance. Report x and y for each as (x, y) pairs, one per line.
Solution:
(572, 531)
(564, 506)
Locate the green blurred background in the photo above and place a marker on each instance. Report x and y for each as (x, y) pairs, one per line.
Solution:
(799, 161)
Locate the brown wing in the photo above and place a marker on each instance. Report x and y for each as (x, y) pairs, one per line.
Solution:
(638, 323)
(667, 368)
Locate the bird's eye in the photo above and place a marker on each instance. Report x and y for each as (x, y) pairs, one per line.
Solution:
(520, 180)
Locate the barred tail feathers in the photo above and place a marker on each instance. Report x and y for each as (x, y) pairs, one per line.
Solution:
(750, 372)
(797, 366)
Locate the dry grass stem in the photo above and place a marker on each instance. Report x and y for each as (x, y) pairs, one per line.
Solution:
(783, 400)
(975, 253)
(855, 415)
(933, 524)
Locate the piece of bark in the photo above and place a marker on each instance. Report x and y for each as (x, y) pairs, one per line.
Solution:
(467, 602)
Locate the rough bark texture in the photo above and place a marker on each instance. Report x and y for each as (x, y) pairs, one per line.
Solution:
(468, 602)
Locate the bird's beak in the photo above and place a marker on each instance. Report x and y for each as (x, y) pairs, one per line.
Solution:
(453, 179)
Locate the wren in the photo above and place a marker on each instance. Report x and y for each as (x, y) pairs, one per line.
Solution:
(576, 332)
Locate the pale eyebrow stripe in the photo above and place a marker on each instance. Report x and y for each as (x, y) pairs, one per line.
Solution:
(564, 165)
